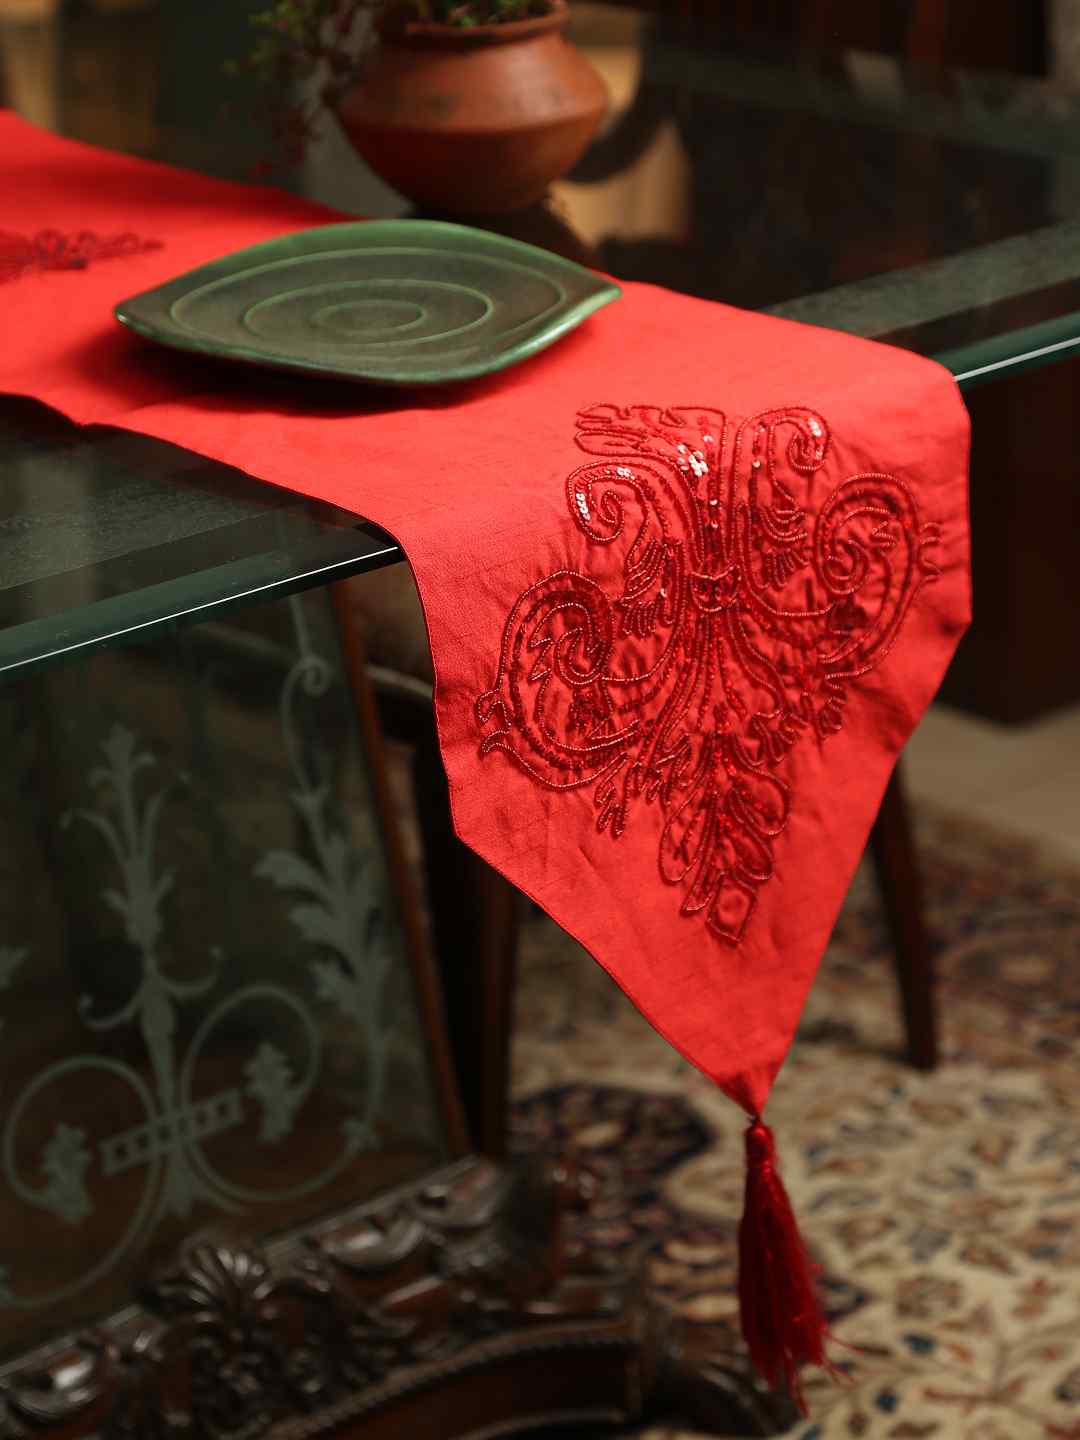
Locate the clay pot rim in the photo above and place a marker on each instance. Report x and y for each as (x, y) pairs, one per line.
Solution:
(422, 34)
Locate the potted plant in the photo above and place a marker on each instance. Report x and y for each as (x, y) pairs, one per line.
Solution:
(464, 106)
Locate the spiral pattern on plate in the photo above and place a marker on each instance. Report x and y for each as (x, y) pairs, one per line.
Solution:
(396, 306)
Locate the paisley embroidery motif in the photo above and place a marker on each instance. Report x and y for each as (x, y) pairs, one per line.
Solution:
(750, 597)
(53, 250)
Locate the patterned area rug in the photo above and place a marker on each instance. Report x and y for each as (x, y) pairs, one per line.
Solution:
(944, 1209)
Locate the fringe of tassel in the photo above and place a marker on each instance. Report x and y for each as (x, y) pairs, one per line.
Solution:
(783, 1322)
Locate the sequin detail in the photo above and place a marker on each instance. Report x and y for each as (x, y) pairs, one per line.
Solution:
(733, 599)
(53, 250)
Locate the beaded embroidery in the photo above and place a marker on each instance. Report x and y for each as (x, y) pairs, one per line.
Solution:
(53, 250)
(744, 607)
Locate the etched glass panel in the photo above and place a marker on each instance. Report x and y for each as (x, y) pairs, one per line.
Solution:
(207, 1012)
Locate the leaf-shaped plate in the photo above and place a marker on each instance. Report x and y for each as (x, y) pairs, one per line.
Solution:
(395, 302)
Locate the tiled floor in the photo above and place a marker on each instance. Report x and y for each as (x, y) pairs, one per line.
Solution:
(1024, 778)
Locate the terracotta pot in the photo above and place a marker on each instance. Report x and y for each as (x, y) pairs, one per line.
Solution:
(478, 120)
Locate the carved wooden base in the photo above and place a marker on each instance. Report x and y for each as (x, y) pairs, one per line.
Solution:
(444, 1311)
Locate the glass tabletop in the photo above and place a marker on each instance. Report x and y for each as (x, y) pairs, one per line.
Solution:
(105, 535)
(935, 208)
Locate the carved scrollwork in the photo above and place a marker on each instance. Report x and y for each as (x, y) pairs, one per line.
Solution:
(239, 1345)
(51, 1394)
(228, 1343)
(461, 1276)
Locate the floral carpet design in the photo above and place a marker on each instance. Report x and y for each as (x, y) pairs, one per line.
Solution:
(944, 1209)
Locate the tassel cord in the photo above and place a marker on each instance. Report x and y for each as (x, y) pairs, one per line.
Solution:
(782, 1318)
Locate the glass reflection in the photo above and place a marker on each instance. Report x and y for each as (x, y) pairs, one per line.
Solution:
(207, 1008)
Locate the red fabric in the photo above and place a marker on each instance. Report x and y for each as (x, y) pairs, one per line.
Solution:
(755, 755)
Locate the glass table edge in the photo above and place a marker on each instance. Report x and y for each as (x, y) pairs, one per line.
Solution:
(387, 553)
(1012, 354)
(971, 365)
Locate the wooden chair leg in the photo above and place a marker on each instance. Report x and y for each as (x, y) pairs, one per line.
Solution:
(892, 850)
(474, 914)
(474, 919)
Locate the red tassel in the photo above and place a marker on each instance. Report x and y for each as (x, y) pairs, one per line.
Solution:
(782, 1319)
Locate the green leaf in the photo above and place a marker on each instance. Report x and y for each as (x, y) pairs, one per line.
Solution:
(290, 871)
(319, 926)
(270, 1082)
(117, 902)
(331, 983)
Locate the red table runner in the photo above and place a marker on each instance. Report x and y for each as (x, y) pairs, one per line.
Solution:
(690, 579)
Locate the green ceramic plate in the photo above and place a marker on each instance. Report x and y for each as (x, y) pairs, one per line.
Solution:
(396, 302)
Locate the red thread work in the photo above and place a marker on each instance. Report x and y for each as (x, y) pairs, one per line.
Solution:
(53, 250)
(746, 606)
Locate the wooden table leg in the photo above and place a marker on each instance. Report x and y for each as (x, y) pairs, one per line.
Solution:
(892, 850)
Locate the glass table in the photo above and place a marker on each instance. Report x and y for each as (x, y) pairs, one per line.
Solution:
(934, 209)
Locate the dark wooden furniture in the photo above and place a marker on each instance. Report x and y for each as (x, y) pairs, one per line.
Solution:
(474, 919)
(896, 864)
(447, 1310)
(1019, 660)
(1010, 35)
